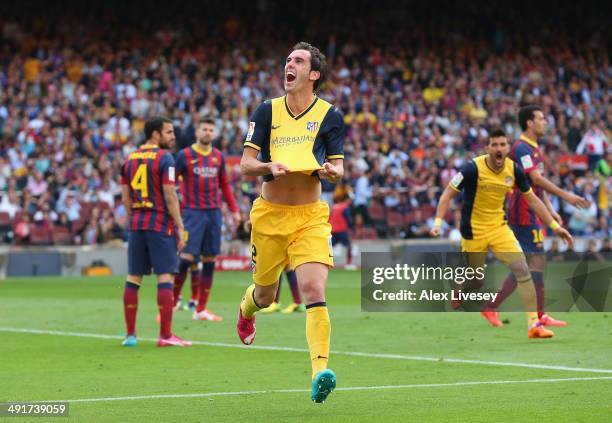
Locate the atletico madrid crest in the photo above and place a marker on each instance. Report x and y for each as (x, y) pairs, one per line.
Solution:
(312, 126)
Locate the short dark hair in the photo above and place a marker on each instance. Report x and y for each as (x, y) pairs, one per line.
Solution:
(496, 133)
(156, 123)
(527, 113)
(206, 119)
(317, 62)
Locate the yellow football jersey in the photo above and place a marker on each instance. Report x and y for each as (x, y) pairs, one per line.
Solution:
(301, 142)
(484, 194)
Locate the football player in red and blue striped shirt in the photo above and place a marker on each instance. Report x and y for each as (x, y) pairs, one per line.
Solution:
(201, 170)
(148, 190)
(524, 223)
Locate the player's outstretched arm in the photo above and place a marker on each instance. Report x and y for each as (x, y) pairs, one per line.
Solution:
(175, 212)
(441, 210)
(539, 180)
(539, 208)
(251, 166)
(551, 209)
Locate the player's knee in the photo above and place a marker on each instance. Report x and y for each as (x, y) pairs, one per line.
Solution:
(207, 259)
(187, 256)
(520, 268)
(185, 264)
(135, 279)
(313, 290)
(165, 278)
(264, 297)
(537, 262)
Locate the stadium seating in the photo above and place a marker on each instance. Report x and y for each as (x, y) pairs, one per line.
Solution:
(410, 108)
(40, 236)
(61, 236)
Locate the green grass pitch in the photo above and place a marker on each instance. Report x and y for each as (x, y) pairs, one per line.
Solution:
(413, 380)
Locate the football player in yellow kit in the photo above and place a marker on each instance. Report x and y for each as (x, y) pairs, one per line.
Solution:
(294, 141)
(485, 182)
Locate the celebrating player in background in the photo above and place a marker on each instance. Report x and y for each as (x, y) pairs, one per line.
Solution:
(299, 139)
(201, 169)
(485, 181)
(524, 222)
(148, 190)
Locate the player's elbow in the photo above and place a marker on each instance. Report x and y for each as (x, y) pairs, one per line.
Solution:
(245, 166)
(446, 196)
(536, 179)
(169, 193)
(531, 200)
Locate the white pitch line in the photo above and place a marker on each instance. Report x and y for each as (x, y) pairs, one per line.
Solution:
(348, 353)
(352, 388)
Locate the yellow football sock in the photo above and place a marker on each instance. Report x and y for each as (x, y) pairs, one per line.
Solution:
(248, 304)
(318, 331)
(526, 290)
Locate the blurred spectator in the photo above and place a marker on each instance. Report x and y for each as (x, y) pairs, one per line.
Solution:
(363, 195)
(37, 184)
(10, 203)
(341, 222)
(603, 172)
(23, 229)
(554, 254)
(70, 207)
(44, 217)
(574, 135)
(419, 228)
(594, 144)
(90, 234)
(592, 253)
(455, 232)
(63, 221)
(583, 221)
(571, 255)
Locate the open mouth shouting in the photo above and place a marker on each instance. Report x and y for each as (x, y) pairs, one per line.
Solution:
(290, 76)
(499, 158)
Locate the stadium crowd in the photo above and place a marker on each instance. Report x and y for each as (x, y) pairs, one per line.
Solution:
(418, 101)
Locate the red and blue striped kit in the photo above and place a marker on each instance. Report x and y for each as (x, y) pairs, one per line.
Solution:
(203, 178)
(526, 153)
(145, 172)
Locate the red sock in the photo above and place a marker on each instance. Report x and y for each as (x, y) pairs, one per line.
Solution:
(206, 280)
(178, 286)
(179, 279)
(293, 284)
(538, 281)
(130, 306)
(164, 303)
(507, 288)
(195, 283)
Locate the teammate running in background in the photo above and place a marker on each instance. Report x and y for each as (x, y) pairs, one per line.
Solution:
(148, 191)
(485, 181)
(201, 170)
(523, 220)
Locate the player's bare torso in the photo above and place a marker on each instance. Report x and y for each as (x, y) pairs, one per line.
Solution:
(293, 189)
